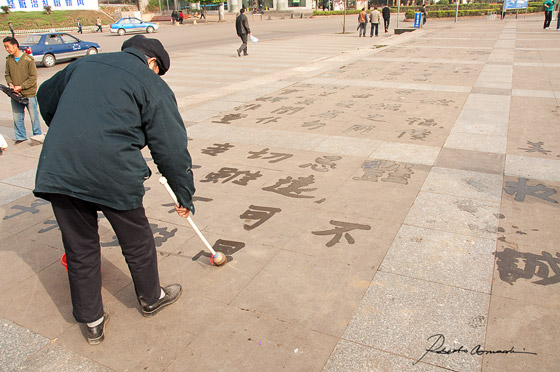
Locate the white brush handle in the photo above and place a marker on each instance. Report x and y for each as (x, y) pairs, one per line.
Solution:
(163, 181)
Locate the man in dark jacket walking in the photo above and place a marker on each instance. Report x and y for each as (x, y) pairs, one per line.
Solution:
(386, 12)
(91, 160)
(243, 30)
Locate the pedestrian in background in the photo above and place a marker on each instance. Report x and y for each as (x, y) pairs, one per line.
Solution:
(374, 18)
(243, 31)
(202, 12)
(386, 11)
(180, 17)
(424, 14)
(98, 24)
(107, 169)
(11, 29)
(362, 22)
(21, 76)
(79, 25)
(548, 8)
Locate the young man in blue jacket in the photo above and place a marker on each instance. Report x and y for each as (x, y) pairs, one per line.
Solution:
(102, 110)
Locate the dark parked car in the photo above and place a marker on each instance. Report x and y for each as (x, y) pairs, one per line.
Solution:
(48, 49)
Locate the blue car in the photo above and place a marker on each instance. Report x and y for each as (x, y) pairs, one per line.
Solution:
(48, 49)
(132, 24)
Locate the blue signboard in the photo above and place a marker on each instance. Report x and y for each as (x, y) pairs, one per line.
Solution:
(516, 4)
(417, 19)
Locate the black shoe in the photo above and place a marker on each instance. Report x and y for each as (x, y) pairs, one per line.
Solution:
(238, 53)
(20, 141)
(95, 335)
(172, 293)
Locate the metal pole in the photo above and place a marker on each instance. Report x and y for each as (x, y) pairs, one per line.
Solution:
(457, 11)
(344, 21)
(398, 11)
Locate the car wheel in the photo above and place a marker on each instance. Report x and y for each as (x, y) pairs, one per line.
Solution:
(91, 50)
(150, 29)
(121, 31)
(49, 60)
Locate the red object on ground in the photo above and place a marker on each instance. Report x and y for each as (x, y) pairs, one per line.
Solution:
(63, 262)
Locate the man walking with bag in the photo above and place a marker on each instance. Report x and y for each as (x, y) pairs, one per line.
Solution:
(243, 31)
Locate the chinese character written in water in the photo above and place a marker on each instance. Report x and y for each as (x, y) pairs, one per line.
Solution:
(416, 134)
(271, 99)
(329, 114)
(520, 189)
(375, 117)
(422, 122)
(315, 124)
(347, 104)
(278, 156)
(534, 265)
(219, 148)
(258, 213)
(269, 119)
(340, 229)
(227, 247)
(290, 91)
(398, 173)
(294, 187)
(535, 147)
(323, 164)
(230, 173)
(307, 101)
(363, 129)
(227, 119)
(53, 225)
(290, 110)
(247, 107)
(22, 209)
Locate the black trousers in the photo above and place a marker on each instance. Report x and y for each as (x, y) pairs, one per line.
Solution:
(243, 47)
(77, 220)
(386, 24)
(547, 18)
(376, 27)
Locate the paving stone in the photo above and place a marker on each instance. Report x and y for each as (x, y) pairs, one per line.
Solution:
(17, 344)
(352, 357)
(454, 214)
(475, 161)
(320, 296)
(55, 358)
(451, 259)
(272, 343)
(469, 184)
(400, 314)
(532, 167)
(525, 328)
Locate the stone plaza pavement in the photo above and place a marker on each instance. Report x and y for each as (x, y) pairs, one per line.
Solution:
(376, 198)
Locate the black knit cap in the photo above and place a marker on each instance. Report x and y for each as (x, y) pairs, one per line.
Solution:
(151, 48)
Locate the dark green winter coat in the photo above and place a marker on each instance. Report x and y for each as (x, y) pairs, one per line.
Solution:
(101, 111)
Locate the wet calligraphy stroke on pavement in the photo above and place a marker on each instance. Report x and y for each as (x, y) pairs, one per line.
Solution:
(227, 247)
(323, 164)
(341, 228)
(396, 172)
(278, 156)
(520, 189)
(227, 119)
(534, 265)
(217, 148)
(24, 209)
(229, 174)
(258, 213)
(294, 187)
